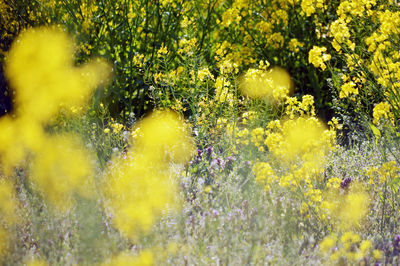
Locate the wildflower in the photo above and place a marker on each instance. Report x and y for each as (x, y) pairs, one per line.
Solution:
(294, 45)
(162, 51)
(62, 168)
(142, 186)
(348, 210)
(377, 254)
(229, 162)
(327, 243)
(318, 57)
(382, 111)
(145, 258)
(274, 84)
(309, 6)
(163, 133)
(205, 73)
(347, 89)
(345, 182)
(263, 172)
(209, 151)
(50, 78)
(298, 136)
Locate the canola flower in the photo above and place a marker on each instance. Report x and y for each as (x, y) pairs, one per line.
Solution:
(382, 112)
(298, 146)
(299, 138)
(50, 78)
(41, 87)
(145, 258)
(318, 57)
(61, 166)
(347, 210)
(348, 247)
(141, 186)
(273, 84)
(166, 133)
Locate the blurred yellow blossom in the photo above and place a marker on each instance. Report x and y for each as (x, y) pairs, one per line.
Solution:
(274, 83)
(145, 258)
(61, 168)
(141, 185)
(50, 78)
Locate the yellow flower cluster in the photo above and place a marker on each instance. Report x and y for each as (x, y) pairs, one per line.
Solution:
(141, 185)
(382, 112)
(145, 258)
(348, 89)
(340, 33)
(309, 7)
(346, 211)
(274, 84)
(243, 136)
(222, 90)
(295, 45)
(265, 174)
(50, 78)
(61, 167)
(300, 144)
(257, 138)
(349, 247)
(300, 137)
(294, 108)
(385, 173)
(318, 57)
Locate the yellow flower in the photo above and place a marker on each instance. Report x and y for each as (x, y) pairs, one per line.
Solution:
(382, 111)
(294, 45)
(141, 185)
(327, 243)
(50, 78)
(273, 84)
(318, 57)
(62, 168)
(348, 89)
(377, 254)
(145, 258)
(164, 135)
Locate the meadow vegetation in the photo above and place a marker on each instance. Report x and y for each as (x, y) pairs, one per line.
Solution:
(204, 132)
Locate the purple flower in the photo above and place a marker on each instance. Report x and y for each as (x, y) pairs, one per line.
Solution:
(209, 151)
(345, 182)
(221, 162)
(396, 242)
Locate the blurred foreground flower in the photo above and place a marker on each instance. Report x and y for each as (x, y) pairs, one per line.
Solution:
(273, 84)
(40, 68)
(303, 137)
(145, 258)
(142, 186)
(346, 210)
(62, 168)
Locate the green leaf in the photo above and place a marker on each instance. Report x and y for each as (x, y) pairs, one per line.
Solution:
(376, 131)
